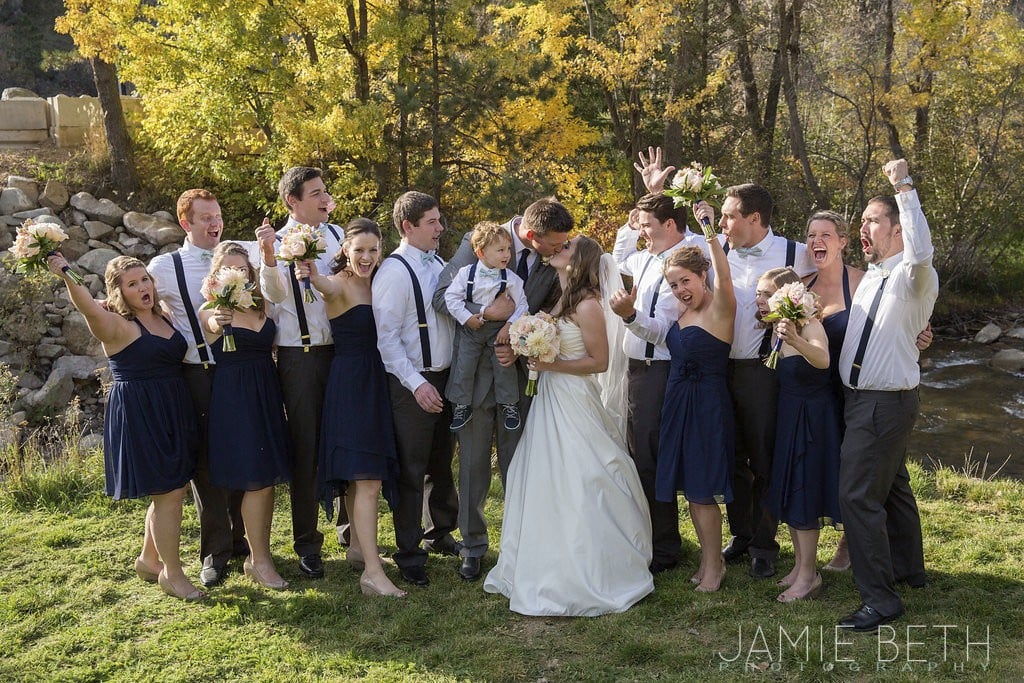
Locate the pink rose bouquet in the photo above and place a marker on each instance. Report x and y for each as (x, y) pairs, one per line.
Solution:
(535, 336)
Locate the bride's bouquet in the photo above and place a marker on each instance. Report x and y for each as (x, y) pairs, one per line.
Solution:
(534, 336)
(303, 243)
(794, 302)
(228, 288)
(35, 242)
(694, 184)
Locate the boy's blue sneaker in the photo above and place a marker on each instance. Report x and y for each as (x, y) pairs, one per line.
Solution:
(461, 416)
(511, 413)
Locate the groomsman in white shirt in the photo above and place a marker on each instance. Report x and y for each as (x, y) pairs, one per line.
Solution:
(649, 310)
(878, 365)
(753, 249)
(305, 350)
(415, 344)
(179, 276)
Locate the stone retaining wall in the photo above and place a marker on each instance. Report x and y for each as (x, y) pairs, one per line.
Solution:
(27, 120)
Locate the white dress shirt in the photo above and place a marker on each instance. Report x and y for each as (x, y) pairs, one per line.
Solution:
(195, 263)
(746, 271)
(485, 289)
(394, 309)
(518, 246)
(276, 284)
(647, 271)
(912, 285)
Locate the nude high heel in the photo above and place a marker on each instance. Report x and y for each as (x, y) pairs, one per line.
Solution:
(812, 594)
(165, 585)
(250, 570)
(368, 587)
(145, 573)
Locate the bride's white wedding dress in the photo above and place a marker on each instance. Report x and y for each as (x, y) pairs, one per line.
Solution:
(576, 533)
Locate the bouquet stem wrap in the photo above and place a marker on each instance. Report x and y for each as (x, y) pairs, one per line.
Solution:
(229, 338)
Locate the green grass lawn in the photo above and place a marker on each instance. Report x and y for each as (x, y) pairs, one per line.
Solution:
(72, 609)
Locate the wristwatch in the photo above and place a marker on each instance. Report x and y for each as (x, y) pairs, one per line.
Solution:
(904, 182)
(630, 319)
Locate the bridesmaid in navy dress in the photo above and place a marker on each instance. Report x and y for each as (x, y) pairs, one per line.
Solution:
(697, 445)
(835, 283)
(804, 488)
(150, 426)
(357, 454)
(248, 445)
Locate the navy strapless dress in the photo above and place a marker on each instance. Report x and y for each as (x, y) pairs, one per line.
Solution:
(697, 444)
(835, 330)
(248, 437)
(804, 489)
(357, 437)
(150, 430)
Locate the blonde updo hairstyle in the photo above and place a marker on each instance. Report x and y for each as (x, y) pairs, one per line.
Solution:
(225, 249)
(112, 275)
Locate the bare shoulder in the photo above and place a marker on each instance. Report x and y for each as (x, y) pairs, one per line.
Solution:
(856, 275)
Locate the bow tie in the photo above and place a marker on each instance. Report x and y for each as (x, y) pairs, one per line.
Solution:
(488, 273)
(744, 252)
(205, 256)
(428, 256)
(881, 270)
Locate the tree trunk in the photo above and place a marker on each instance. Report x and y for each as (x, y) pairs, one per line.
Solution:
(885, 113)
(119, 145)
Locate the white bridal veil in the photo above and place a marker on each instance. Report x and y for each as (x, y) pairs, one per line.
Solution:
(614, 381)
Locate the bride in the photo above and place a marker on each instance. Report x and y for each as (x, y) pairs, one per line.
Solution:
(576, 535)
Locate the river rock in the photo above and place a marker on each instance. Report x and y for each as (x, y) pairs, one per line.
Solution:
(12, 9)
(126, 240)
(77, 232)
(79, 367)
(988, 334)
(6, 240)
(166, 215)
(29, 381)
(90, 442)
(54, 395)
(1011, 360)
(97, 209)
(37, 214)
(26, 185)
(79, 340)
(50, 351)
(142, 251)
(97, 229)
(96, 260)
(156, 231)
(13, 200)
(1016, 333)
(54, 196)
(73, 249)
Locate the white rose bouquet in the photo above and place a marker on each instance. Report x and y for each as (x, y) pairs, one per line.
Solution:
(694, 184)
(535, 336)
(228, 288)
(36, 241)
(303, 243)
(794, 302)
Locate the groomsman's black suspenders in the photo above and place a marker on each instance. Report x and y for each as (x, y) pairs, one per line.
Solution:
(421, 310)
(300, 309)
(766, 339)
(190, 311)
(649, 349)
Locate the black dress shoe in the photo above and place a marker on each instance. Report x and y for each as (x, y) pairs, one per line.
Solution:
(734, 550)
(659, 567)
(312, 566)
(470, 569)
(417, 576)
(762, 568)
(241, 549)
(443, 546)
(212, 576)
(867, 619)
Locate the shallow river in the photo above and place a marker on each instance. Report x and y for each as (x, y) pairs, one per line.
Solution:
(966, 404)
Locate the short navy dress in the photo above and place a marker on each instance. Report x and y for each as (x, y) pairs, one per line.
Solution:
(697, 445)
(357, 435)
(150, 430)
(248, 437)
(804, 489)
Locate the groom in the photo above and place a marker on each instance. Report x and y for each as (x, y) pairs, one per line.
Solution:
(536, 235)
